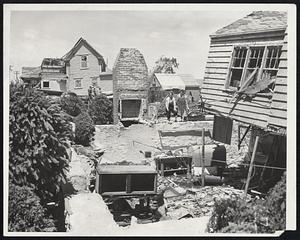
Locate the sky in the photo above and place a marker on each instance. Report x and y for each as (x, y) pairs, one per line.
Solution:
(184, 35)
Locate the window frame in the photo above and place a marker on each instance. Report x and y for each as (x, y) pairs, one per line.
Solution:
(82, 61)
(262, 67)
(92, 81)
(77, 79)
(46, 82)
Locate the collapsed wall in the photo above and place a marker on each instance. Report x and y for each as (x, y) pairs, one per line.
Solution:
(130, 85)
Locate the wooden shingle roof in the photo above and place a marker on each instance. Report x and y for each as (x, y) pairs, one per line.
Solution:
(31, 72)
(258, 21)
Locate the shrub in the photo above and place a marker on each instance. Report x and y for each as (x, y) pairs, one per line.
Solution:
(84, 129)
(263, 215)
(71, 104)
(100, 109)
(38, 140)
(276, 204)
(25, 213)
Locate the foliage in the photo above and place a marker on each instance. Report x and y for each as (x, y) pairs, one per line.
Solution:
(38, 141)
(25, 213)
(276, 204)
(165, 65)
(71, 104)
(262, 215)
(100, 110)
(84, 129)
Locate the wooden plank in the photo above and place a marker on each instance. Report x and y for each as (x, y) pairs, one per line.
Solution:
(216, 70)
(217, 65)
(251, 166)
(281, 80)
(243, 119)
(212, 81)
(278, 113)
(212, 92)
(250, 43)
(258, 115)
(282, 72)
(220, 54)
(183, 133)
(221, 47)
(249, 107)
(217, 60)
(279, 105)
(278, 121)
(215, 75)
(283, 55)
(279, 97)
(280, 88)
(246, 104)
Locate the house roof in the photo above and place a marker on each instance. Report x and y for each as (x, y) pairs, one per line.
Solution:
(169, 81)
(31, 72)
(82, 42)
(125, 169)
(189, 80)
(257, 21)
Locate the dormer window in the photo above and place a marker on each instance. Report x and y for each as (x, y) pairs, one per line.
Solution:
(84, 61)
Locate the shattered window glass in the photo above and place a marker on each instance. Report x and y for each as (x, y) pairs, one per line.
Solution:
(238, 63)
(78, 83)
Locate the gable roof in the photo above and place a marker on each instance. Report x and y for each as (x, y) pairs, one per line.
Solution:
(169, 81)
(257, 21)
(82, 42)
(31, 72)
(189, 80)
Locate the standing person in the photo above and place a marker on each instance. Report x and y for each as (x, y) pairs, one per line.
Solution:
(182, 104)
(171, 106)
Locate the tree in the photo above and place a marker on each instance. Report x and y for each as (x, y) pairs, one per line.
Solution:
(100, 110)
(165, 65)
(25, 213)
(38, 141)
(71, 104)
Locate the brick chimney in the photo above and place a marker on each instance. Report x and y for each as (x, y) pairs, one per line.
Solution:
(130, 85)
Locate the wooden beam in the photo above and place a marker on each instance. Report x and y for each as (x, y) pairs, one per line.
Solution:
(251, 166)
(202, 159)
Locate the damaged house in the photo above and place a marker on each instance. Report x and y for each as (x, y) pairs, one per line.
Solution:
(246, 81)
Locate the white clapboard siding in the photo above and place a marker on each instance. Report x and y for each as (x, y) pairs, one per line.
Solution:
(278, 110)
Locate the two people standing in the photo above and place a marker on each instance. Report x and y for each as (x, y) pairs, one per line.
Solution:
(181, 104)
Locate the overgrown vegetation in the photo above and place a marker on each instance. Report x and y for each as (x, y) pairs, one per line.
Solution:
(38, 142)
(256, 216)
(100, 110)
(71, 104)
(25, 213)
(84, 129)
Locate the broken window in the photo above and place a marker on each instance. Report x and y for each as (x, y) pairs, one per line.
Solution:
(238, 63)
(78, 83)
(271, 65)
(46, 84)
(259, 63)
(84, 62)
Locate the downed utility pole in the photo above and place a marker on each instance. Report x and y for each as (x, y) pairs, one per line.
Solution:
(251, 165)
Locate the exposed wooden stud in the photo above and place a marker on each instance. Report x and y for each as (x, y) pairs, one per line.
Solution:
(202, 159)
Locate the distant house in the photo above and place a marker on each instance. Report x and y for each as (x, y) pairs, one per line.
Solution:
(164, 82)
(76, 71)
(83, 67)
(31, 76)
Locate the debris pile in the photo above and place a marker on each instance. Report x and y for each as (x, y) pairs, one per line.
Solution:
(182, 201)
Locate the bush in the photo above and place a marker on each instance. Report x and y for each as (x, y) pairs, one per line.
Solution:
(276, 204)
(25, 213)
(84, 129)
(263, 215)
(38, 141)
(100, 110)
(71, 104)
